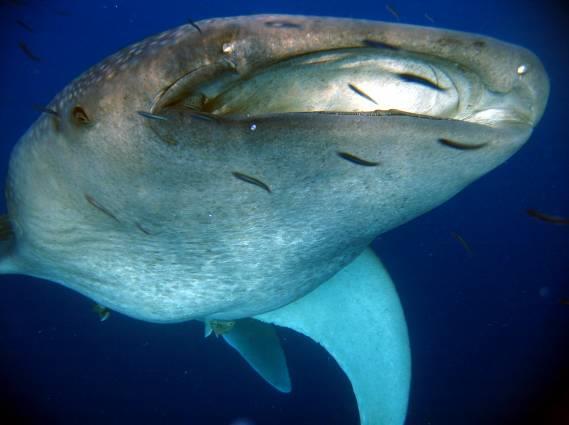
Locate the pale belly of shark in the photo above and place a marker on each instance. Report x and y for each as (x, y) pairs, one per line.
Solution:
(270, 152)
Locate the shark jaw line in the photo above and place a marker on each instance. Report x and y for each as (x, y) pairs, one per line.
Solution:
(365, 80)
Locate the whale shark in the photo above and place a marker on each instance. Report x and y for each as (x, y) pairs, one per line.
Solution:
(234, 171)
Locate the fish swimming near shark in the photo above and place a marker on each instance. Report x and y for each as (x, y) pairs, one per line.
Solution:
(235, 171)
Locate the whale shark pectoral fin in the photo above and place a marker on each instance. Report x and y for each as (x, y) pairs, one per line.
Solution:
(358, 318)
(260, 346)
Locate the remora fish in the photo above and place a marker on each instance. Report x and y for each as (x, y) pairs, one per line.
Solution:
(82, 188)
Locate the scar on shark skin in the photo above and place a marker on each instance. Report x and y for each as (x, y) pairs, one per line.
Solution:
(282, 24)
(461, 146)
(94, 203)
(356, 160)
(251, 180)
(361, 93)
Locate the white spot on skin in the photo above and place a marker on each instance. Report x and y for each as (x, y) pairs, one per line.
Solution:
(522, 69)
(227, 48)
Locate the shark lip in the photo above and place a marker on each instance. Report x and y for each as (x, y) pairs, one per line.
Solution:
(363, 80)
(498, 117)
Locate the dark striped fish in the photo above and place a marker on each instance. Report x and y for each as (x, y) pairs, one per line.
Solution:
(356, 160)
(391, 9)
(98, 206)
(463, 242)
(193, 24)
(547, 218)
(417, 79)
(251, 180)
(24, 48)
(461, 146)
(151, 116)
(24, 25)
(361, 93)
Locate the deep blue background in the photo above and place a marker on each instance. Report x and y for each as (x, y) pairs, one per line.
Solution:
(488, 348)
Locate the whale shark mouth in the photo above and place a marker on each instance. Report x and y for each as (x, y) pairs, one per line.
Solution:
(375, 79)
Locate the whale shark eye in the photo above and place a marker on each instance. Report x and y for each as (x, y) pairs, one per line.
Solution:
(79, 116)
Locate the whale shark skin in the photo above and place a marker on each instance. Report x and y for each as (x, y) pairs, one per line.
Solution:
(241, 170)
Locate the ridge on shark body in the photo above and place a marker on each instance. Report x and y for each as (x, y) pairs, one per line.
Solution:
(235, 171)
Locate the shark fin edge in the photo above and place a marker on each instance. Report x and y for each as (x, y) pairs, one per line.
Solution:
(357, 317)
(259, 345)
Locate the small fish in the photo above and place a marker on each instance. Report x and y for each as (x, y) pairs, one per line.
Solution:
(142, 229)
(354, 159)
(202, 115)
(193, 24)
(461, 146)
(379, 44)
(219, 327)
(393, 11)
(151, 116)
(361, 93)
(412, 78)
(24, 48)
(547, 218)
(45, 109)
(252, 180)
(24, 25)
(102, 311)
(429, 18)
(98, 206)
(461, 240)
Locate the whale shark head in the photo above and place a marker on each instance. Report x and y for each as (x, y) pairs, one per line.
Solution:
(225, 169)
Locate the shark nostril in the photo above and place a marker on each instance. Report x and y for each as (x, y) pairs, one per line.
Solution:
(79, 116)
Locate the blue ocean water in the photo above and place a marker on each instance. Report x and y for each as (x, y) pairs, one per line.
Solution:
(489, 335)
